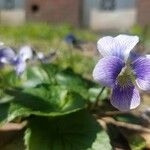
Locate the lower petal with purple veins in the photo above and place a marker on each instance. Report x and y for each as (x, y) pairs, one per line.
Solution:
(125, 98)
(107, 70)
(141, 67)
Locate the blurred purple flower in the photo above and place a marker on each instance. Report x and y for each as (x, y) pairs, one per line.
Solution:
(118, 70)
(71, 39)
(25, 53)
(8, 56)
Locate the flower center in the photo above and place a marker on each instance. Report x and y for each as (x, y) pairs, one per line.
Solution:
(126, 77)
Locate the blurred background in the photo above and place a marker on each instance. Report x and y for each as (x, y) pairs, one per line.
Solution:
(71, 28)
(100, 16)
(95, 14)
(47, 25)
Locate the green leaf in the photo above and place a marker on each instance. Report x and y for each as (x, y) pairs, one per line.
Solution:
(33, 76)
(52, 74)
(4, 110)
(51, 69)
(8, 79)
(117, 138)
(77, 131)
(41, 101)
(94, 92)
(131, 118)
(75, 82)
(4, 97)
(125, 139)
(30, 78)
(136, 142)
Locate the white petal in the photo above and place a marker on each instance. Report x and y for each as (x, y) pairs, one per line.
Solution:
(127, 43)
(119, 46)
(40, 55)
(108, 46)
(147, 56)
(1, 43)
(25, 53)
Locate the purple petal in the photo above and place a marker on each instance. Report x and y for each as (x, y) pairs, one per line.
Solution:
(141, 67)
(107, 70)
(20, 67)
(125, 98)
(25, 53)
(6, 55)
(119, 46)
(134, 55)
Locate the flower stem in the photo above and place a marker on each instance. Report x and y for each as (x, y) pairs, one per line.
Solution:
(97, 98)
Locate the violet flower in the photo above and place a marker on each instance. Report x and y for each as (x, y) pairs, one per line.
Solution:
(122, 72)
(8, 56)
(25, 53)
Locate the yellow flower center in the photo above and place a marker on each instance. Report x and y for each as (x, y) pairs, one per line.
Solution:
(126, 77)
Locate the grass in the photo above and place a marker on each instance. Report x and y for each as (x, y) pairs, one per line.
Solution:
(34, 33)
(44, 37)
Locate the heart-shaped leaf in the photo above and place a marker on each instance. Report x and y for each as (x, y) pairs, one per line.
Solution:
(42, 101)
(77, 131)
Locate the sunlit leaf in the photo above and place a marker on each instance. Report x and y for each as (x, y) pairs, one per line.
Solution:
(76, 83)
(136, 142)
(41, 101)
(30, 78)
(94, 92)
